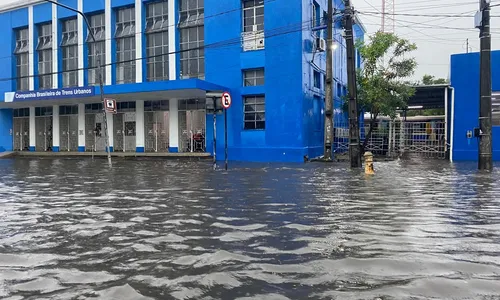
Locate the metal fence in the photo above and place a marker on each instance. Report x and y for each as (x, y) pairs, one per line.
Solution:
(395, 138)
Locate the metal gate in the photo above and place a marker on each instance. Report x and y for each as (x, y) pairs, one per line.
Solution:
(68, 128)
(21, 134)
(125, 132)
(156, 131)
(43, 127)
(95, 139)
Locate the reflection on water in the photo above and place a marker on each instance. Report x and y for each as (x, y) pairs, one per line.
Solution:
(72, 229)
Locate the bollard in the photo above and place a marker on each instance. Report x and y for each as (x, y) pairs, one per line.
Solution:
(369, 164)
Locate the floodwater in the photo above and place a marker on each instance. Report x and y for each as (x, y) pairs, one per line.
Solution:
(153, 229)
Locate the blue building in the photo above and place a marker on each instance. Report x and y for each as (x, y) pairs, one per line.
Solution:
(465, 109)
(160, 59)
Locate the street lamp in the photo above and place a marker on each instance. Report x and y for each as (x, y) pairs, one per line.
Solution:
(99, 72)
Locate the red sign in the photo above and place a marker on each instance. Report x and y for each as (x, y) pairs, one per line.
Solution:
(226, 100)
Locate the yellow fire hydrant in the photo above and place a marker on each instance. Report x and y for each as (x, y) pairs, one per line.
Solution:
(369, 164)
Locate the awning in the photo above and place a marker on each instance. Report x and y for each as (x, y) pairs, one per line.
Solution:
(160, 90)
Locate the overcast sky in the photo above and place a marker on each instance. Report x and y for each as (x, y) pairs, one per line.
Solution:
(436, 37)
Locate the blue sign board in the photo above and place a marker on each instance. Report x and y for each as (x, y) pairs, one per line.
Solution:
(76, 92)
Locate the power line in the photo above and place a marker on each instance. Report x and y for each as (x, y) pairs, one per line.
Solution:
(418, 15)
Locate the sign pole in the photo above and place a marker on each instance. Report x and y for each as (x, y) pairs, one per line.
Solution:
(225, 137)
(226, 103)
(215, 132)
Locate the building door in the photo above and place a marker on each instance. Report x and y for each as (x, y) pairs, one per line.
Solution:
(156, 131)
(129, 132)
(95, 139)
(68, 128)
(21, 133)
(192, 125)
(43, 127)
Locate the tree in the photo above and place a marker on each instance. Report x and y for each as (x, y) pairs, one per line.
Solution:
(430, 80)
(382, 83)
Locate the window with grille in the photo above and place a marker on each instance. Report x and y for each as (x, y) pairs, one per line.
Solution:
(125, 45)
(157, 41)
(253, 15)
(44, 53)
(317, 79)
(97, 49)
(192, 38)
(254, 112)
(21, 53)
(69, 48)
(254, 77)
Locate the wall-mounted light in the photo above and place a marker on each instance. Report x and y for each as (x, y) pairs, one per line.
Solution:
(334, 46)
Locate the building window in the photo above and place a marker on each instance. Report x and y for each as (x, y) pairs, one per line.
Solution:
(317, 79)
(97, 49)
(253, 77)
(192, 35)
(255, 112)
(94, 108)
(69, 48)
(22, 59)
(157, 40)
(253, 15)
(125, 45)
(21, 112)
(316, 19)
(44, 52)
(43, 111)
(68, 110)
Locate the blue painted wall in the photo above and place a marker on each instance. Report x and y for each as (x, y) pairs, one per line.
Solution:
(465, 81)
(6, 122)
(294, 107)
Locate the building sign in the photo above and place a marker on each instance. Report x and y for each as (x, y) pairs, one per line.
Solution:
(55, 94)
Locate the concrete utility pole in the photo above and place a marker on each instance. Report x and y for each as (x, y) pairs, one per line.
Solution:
(328, 145)
(99, 72)
(485, 122)
(354, 146)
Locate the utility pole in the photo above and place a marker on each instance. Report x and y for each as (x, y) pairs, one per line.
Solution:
(354, 146)
(99, 72)
(328, 145)
(485, 141)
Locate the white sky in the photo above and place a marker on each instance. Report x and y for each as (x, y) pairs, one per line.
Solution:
(436, 37)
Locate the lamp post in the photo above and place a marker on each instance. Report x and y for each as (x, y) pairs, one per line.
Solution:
(99, 72)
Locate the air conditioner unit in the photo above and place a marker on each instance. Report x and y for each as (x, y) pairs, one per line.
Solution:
(320, 44)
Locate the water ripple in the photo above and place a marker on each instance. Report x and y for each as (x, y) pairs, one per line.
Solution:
(73, 229)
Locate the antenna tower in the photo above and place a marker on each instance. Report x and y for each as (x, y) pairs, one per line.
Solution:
(388, 24)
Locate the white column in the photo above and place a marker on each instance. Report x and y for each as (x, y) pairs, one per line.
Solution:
(111, 131)
(172, 62)
(56, 139)
(81, 81)
(445, 118)
(173, 132)
(31, 42)
(81, 127)
(108, 13)
(138, 41)
(452, 125)
(32, 129)
(139, 126)
(55, 47)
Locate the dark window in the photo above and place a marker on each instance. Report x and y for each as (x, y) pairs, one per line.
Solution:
(22, 59)
(125, 45)
(21, 112)
(43, 111)
(192, 38)
(94, 108)
(317, 79)
(68, 110)
(255, 112)
(69, 48)
(97, 49)
(157, 41)
(253, 15)
(160, 105)
(44, 51)
(254, 77)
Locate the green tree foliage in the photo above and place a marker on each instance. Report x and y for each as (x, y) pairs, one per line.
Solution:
(383, 82)
(430, 80)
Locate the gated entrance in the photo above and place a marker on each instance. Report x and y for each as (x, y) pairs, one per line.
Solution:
(124, 124)
(94, 126)
(21, 129)
(192, 125)
(68, 128)
(156, 119)
(43, 125)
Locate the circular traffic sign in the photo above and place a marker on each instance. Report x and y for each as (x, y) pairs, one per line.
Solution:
(226, 100)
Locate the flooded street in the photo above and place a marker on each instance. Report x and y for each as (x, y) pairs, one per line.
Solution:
(153, 229)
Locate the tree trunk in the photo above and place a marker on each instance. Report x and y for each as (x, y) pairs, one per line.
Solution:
(369, 134)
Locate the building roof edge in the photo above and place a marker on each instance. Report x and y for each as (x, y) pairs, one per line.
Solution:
(18, 4)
